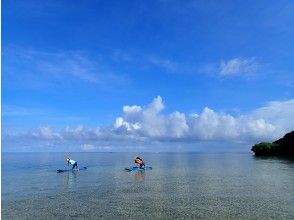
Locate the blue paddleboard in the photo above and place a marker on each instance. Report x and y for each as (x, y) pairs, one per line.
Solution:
(138, 168)
(71, 170)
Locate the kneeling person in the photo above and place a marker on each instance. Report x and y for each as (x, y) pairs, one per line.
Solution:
(72, 162)
(140, 162)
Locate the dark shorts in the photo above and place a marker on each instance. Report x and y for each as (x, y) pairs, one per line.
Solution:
(75, 165)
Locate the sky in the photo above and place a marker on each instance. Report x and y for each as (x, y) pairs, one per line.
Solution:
(157, 75)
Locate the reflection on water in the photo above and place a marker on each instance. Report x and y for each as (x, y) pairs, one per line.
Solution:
(282, 159)
(70, 178)
(140, 175)
(185, 186)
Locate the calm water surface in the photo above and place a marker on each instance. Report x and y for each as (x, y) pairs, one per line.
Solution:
(180, 186)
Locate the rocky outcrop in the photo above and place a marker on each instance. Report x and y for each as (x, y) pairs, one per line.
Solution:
(281, 147)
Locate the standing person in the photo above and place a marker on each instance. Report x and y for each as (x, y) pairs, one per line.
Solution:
(72, 162)
(139, 161)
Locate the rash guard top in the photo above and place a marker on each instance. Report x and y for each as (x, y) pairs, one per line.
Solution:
(72, 162)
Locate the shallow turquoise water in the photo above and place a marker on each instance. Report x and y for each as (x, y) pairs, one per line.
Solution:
(180, 186)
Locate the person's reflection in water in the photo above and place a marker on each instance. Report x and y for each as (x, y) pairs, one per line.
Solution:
(140, 176)
(71, 178)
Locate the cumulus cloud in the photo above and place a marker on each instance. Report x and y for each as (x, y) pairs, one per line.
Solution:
(269, 121)
(145, 124)
(209, 125)
(238, 66)
(279, 112)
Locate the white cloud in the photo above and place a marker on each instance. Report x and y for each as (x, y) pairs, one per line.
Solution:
(209, 125)
(260, 128)
(270, 121)
(280, 113)
(88, 147)
(121, 123)
(177, 125)
(166, 64)
(143, 60)
(238, 66)
(60, 66)
(81, 133)
(47, 133)
(145, 124)
(147, 120)
(15, 111)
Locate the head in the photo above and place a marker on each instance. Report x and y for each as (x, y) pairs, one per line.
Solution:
(138, 159)
(67, 159)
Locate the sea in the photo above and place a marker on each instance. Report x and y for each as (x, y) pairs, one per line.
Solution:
(179, 186)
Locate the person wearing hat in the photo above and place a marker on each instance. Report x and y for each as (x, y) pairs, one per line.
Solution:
(72, 162)
(139, 161)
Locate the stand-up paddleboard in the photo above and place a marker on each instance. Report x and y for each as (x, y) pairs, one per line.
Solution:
(71, 170)
(138, 168)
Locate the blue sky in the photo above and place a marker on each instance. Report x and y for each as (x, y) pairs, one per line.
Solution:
(145, 75)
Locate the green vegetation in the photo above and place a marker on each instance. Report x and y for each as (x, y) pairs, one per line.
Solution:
(265, 148)
(283, 147)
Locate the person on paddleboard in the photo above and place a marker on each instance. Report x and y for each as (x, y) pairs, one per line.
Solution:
(139, 161)
(72, 162)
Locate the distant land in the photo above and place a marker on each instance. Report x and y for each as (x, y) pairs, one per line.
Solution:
(281, 147)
